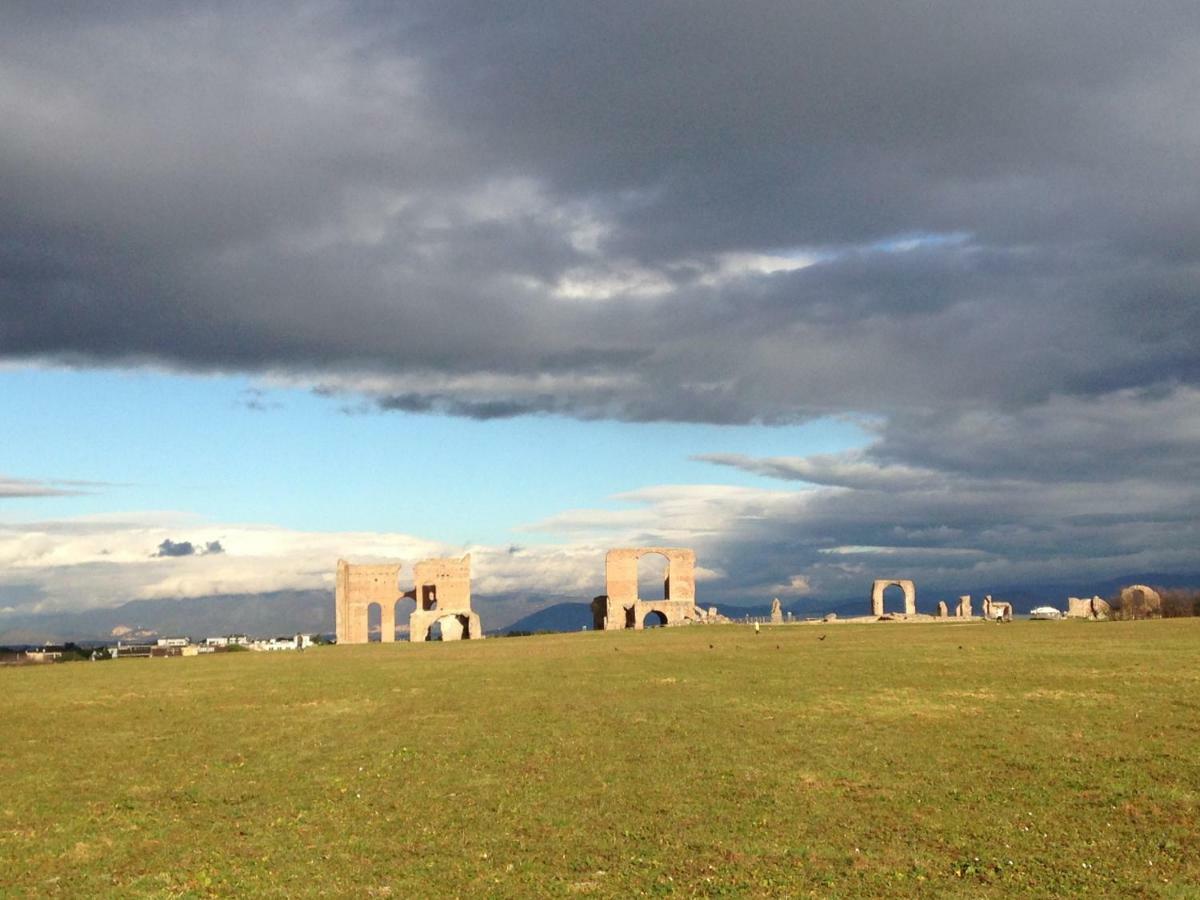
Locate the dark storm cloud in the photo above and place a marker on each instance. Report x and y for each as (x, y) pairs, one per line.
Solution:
(170, 548)
(352, 189)
(602, 209)
(175, 548)
(1067, 488)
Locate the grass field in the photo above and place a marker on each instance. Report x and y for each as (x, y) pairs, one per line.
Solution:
(1035, 757)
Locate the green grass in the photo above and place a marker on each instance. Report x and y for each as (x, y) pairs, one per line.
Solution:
(982, 760)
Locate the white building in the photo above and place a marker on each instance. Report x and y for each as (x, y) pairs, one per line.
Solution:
(295, 642)
(228, 640)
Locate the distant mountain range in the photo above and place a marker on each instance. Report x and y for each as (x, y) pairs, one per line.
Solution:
(288, 612)
(576, 616)
(277, 612)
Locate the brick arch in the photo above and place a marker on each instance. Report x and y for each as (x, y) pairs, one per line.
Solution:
(881, 585)
(621, 607)
(441, 587)
(357, 588)
(1139, 601)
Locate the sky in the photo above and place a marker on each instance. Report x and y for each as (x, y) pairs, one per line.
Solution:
(827, 291)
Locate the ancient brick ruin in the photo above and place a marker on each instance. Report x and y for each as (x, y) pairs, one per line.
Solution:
(1140, 602)
(358, 588)
(999, 610)
(910, 596)
(441, 590)
(622, 608)
(1083, 608)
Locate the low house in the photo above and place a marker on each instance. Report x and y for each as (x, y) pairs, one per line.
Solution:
(275, 643)
(44, 654)
(295, 642)
(125, 650)
(228, 640)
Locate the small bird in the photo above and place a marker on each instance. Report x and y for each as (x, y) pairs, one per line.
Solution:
(821, 637)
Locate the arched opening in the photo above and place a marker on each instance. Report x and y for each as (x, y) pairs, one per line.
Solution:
(463, 625)
(450, 628)
(374, 622)
(654, 619)
(653, 577)
(405, 607)
(893, 599)
(429, 599)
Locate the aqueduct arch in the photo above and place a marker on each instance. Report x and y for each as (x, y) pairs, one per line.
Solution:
(910, 596)
(452, 627)
(621, 607)
(357, 588)
(1140, 602)
(654, 619)
(442, 590)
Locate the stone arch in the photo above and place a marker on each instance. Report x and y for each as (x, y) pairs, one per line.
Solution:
(1138, 601)
(442, 591)
(357, 588)
(654, 618)
(621, 574)
(441, 587)
(374, 623)
(452, 627)
(622, 607)
(910, 595)
(402, 611)
(653, 576)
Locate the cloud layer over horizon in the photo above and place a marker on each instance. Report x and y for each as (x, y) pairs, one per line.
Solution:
(978, 227)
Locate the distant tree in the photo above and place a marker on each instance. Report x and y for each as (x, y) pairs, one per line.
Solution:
(1180, 602)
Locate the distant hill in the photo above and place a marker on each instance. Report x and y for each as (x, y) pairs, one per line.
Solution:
(559, 617)
(287, 612)
(575, 616)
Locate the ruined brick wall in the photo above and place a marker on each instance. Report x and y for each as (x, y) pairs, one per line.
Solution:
(357, 588)
(625, 609)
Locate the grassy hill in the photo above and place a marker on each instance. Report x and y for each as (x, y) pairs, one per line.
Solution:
(983, 760)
